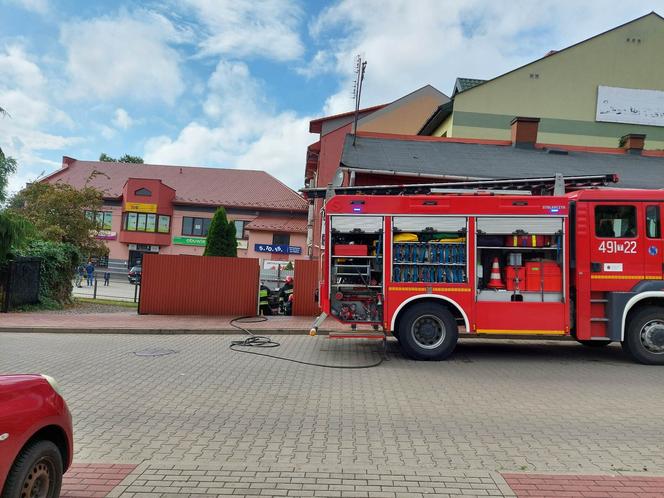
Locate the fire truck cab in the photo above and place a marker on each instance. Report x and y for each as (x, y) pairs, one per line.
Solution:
(589, 264)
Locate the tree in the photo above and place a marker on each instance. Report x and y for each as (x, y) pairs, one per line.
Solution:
(7, 167)
(14, 234)
(124, 159)
(57, 212)
(221, 236)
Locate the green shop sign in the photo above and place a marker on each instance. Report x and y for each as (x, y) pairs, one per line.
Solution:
(189, 241)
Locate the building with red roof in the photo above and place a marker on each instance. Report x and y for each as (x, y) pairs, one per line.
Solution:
(167, 209)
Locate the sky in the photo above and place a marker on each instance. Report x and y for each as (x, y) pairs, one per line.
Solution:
(234, 84)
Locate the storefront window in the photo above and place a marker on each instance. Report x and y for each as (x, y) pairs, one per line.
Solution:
(103, 219)
(131, 222)
(164, 224)
(239, 229)
(147, 222)
(281, 239)
(198, 227)
(151, 223)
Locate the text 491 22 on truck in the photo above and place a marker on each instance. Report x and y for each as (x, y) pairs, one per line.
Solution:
(589, 263)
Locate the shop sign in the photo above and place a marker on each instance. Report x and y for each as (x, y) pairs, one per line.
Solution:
(140, 207)
(106, 235)
(190, 241)
(143, 248)
(275, 265)
(277, 249)
(630, 105)
(200, 242)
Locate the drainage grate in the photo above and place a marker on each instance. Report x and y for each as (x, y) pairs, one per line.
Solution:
(155, 352)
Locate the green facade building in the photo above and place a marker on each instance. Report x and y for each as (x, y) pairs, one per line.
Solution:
(589, 94)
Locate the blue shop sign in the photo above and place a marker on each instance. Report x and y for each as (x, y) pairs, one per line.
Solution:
(277, 249)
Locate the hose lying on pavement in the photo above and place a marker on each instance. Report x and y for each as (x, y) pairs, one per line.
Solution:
(261, 341)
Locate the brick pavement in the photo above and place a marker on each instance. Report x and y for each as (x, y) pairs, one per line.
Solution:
(88, 480)
(504, 406)
(591, 486)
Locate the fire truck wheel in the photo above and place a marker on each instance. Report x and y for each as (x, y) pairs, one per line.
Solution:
(644, 337)
(595, 344)
(428, 331)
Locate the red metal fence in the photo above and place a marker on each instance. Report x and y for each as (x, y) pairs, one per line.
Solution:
(304, 285)
(198, 285)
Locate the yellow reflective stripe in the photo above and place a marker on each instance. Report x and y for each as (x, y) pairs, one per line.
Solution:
(451, 289)
(521, 332)
(625, 277)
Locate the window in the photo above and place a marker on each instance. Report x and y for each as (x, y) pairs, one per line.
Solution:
(198, 227)
(653, 223)
(164, 224)
(281, 239)
(146, 222)
(615, 222)
(102, 219)
(239, 229)
(143, 191)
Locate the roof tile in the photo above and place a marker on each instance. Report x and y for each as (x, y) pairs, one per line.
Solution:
(193, 185)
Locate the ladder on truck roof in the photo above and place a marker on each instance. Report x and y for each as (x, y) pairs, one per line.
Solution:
(553, 185)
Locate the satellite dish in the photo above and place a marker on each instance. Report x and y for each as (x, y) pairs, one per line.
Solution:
(338, 179)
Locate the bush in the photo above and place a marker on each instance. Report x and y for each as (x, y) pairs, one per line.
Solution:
(59, 262)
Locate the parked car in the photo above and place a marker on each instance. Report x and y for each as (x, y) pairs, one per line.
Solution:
(36, 437)
(134, 275)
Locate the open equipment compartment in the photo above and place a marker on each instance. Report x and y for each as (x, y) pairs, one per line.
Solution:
(429, 249)
(356, 268)
(530, 257)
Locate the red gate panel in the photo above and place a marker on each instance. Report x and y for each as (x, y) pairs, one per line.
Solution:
(304, 286)
(198, 285)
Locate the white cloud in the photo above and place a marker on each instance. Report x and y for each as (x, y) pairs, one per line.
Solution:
(244, 132)
(18, 70)
(37, 6)
(24, 133)
(409, 44)
(241, 28)
(124, 56)
(122, 119)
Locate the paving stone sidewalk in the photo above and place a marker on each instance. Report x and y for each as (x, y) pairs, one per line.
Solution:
(153, 480)
(495, 406)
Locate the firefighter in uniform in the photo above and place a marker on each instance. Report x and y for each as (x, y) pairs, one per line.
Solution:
(263, 300)
(286, 295)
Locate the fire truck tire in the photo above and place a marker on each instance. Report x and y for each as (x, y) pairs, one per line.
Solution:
(595, 344)
(428, 331)
(644, 337)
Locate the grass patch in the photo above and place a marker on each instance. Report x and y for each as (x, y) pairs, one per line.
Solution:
(107, 302)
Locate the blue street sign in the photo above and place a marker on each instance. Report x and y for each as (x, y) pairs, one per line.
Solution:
(277, 249)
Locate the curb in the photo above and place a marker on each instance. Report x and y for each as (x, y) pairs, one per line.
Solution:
(130, 331)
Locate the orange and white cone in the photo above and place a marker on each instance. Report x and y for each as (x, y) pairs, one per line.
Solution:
(495, 282)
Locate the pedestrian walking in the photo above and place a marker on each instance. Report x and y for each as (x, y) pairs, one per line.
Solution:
(80, 272)
(107, 277)
(90, 270)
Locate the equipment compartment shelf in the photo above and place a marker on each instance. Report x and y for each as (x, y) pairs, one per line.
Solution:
(428, 264)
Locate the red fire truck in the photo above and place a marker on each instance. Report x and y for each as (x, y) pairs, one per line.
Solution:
(588, 263)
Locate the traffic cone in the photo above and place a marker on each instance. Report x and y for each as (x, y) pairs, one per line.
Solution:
(495, 282)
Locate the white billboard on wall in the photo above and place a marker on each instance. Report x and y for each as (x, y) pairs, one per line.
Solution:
(630, 105)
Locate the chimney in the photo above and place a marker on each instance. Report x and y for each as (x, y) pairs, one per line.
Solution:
(633, 143)
(67, 161)
(524, 132)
